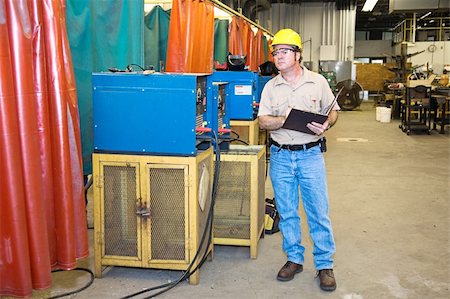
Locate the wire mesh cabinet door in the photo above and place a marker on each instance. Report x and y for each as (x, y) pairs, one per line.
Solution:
(118, 206)
(179, 193)
(168, 194)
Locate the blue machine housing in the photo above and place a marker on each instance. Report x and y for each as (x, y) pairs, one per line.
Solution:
(217, 116)
(148, 114)
(262, 80)
(241, 91)
(244, 92)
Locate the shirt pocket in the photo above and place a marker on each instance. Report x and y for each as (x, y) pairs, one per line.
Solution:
(279, 106)
(310, 103)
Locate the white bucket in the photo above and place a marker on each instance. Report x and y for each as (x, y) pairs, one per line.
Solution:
(385, 115)
(378, 113)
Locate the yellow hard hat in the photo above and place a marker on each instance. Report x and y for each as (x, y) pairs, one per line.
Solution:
(287, 37)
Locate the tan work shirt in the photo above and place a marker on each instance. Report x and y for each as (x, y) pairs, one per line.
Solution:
(311, 93)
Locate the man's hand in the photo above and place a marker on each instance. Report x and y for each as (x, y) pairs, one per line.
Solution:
(318, 128)
(271, 123)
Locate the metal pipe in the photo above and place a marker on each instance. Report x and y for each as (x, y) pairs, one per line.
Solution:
(324, 24)
(310, 46)
(232, 11)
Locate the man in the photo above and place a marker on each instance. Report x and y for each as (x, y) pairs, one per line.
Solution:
(296, 158)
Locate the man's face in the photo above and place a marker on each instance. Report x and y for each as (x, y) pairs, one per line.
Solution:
(285, 57)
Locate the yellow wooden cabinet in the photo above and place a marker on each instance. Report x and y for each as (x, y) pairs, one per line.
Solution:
(248, 131)
(151, 211)
(240, 200)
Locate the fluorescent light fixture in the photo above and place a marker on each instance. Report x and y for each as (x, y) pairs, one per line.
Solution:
(369, 5)
(425, 15)
(221, 14)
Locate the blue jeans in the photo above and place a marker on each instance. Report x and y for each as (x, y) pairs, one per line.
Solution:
(290, 170)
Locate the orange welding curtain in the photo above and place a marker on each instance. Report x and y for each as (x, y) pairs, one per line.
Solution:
(190, 46)
(42, 211)
(242, 41)
(235, 42)
(258, 49)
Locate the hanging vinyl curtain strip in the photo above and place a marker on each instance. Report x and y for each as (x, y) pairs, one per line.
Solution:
(235, 41)
(21, 51)
(41, 228)
(43, 119)
(79, 14)
(68, 188)
(259, 49)
(176, 48)
(203, 47)
(191, 34)
(221, 40)
(15, 272)
(156, 31)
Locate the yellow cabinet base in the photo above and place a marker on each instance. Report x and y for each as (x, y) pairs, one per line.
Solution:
(151, 211)
(248, 131)
(240, 205)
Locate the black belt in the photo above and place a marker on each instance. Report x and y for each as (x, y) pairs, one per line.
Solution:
(295, 147)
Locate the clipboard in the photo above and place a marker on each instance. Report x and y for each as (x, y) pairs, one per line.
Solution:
(298, 119)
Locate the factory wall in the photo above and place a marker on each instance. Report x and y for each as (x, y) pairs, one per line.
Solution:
(327, 33)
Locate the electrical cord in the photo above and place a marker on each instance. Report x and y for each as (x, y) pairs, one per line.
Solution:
(240, 140)
(208, 226)
(237, 135)
(78, 290)
(130, 67)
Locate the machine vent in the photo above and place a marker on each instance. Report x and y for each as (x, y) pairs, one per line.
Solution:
(120, 211)
(232, 207)
(167, 206)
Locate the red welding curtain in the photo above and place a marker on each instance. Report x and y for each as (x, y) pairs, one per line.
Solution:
(42, 215)
(190, 46)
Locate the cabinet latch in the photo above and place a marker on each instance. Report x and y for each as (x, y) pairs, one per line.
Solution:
(142, 210)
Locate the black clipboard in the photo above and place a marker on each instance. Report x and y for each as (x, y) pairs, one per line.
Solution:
(298, 119)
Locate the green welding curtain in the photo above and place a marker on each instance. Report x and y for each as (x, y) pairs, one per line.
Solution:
(221, 40)
(102, 34)
(156, 33)
(266, 48)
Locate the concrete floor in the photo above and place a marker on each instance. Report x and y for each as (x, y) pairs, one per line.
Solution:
(389, 197)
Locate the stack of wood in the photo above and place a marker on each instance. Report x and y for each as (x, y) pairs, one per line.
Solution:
(372, 76)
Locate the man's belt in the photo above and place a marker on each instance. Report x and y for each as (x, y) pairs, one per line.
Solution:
(295, 147)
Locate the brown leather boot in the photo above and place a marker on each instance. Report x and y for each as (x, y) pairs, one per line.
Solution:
(288, 271)
(327, 281)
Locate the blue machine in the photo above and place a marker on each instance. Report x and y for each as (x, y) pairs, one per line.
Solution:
(244, 91)
(262, 80)
(241, 92)
(160, 114)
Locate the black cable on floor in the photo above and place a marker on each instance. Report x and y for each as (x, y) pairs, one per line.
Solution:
(78, 290)
(240, 140)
